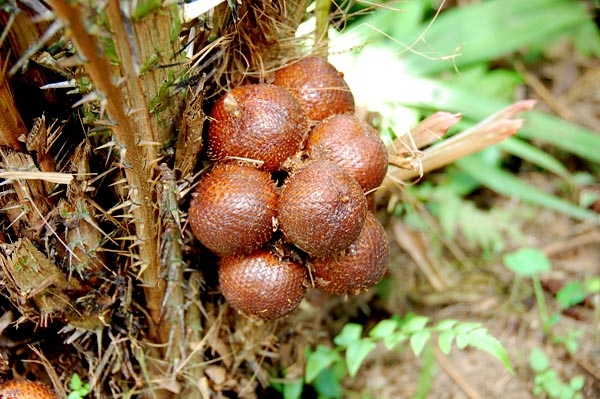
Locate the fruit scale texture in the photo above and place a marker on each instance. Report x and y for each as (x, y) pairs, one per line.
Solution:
(321, 208)
(24, 389)
(286, 194)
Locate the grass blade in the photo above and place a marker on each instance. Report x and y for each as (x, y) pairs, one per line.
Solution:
(511, 186)
(531, 23)
(564, 135)
(534, 155)
(539, 126)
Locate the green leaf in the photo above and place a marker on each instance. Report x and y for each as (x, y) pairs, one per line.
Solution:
(538, 361)
(533, 23)
(319, 360)
(418, 341)
(577, 383)
(293, 389)
(537, 388)
(572, 344)
(447, 324)
(481, 81)
(462, 340)
(328, 385)
(492, 346)
(534, 155)
(486, 229)
(394, 339)
(552, 384)
(387, 20)
(581, 38)
(350, 333)
(478, 337)
(466, 327)
(75, 383)
(592, 285)
(357, 353)
(510, 185)
(571, 294)
(527, 262)
(383, 329)
(564, 135)
(417, 323)
(445, 341)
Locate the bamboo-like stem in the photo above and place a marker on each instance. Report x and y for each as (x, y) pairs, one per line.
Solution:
(138, 169)
(492, 130)
(322, 8)
(433, 128)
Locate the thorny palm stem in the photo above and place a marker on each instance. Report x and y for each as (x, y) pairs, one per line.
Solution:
(138, 168)
(136, 97)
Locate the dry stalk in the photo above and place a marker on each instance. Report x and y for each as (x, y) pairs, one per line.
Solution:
(433, 128)
(256, 36)
(492, 130)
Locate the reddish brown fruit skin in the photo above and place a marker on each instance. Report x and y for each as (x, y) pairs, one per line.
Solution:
(260, 122)
(261, 285)
(358, 268)
(321, 208)
(352, 144)
(25, 390)
(233, 208)
(321, 89)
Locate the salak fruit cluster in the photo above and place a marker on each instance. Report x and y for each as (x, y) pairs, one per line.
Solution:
(285, 202)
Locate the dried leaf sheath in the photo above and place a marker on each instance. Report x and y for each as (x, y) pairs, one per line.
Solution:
(11, 124)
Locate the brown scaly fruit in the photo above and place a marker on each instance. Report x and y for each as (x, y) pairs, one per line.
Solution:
(321, 89)
(260, 122)
(233, 208)
(321, 208)
(262, 285)
(24, 389)
(359, 267)
(353, 144)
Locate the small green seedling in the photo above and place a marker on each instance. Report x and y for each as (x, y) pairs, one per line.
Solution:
(547, 381)
(569, 341)
(575, 292)
(327, 366)
(79, 390)
(529, 263)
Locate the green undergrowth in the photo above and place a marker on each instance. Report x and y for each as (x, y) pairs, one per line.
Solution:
(409, 62)
(530, 263)
(327, 366)
(455, 62)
